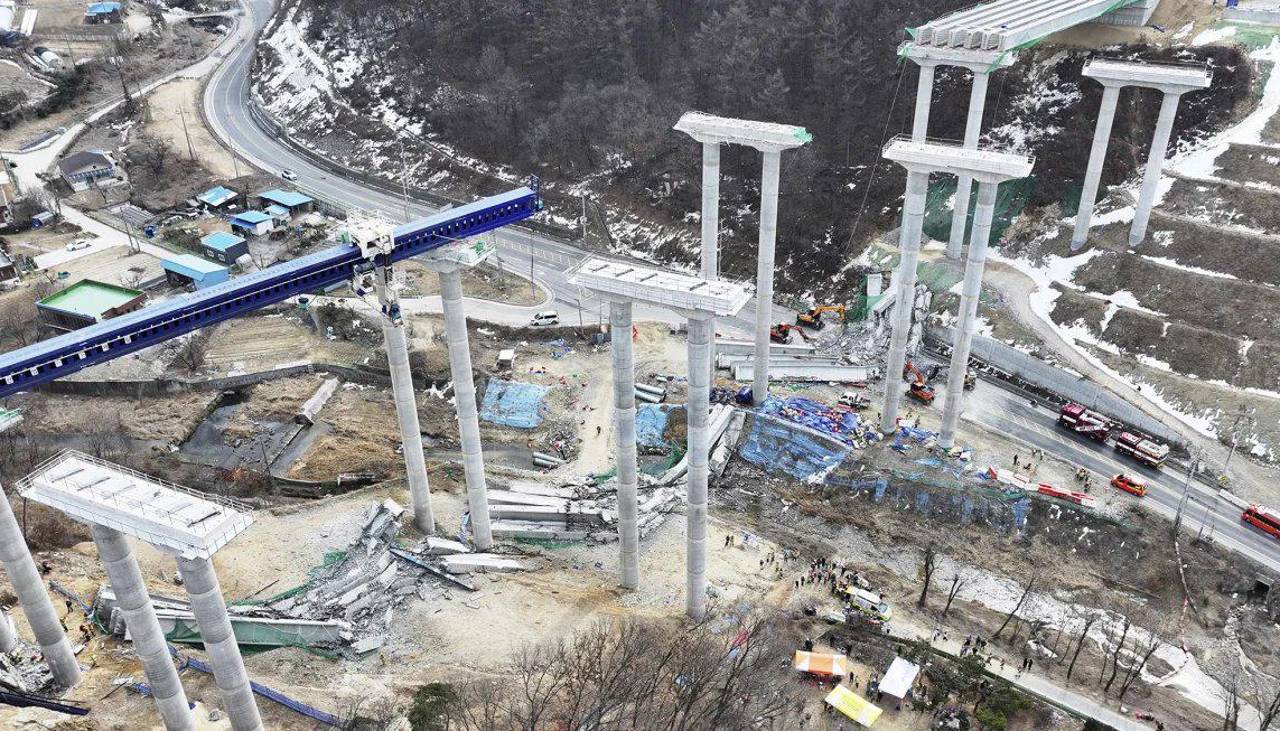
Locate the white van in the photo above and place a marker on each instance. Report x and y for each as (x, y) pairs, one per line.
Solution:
(542, 319)
(870, 604)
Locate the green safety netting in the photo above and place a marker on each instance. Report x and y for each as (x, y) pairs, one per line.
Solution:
(657, 468)
(1010, 201)
(330, 558)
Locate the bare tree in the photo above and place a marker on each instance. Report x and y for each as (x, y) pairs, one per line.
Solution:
(191, 352)
(152, 153)
(1126, 623)
(631, 674)
(1026, 592)
(957, 582)
(1264, 692)
(1143, 653)
(928, 565)
(1089, 620)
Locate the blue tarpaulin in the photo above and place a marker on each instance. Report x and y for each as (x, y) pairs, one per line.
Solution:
(511, 403)
(776, 446)
(838, 423)
(651, 423)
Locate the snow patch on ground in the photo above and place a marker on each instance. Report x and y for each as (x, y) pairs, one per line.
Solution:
(1175, 264)
(1201, 161)
(1212, 36)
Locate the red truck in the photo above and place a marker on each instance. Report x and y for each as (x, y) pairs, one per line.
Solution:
(1149, 453)
(1084, 421)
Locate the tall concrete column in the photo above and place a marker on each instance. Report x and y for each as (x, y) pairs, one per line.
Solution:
(1155, 165)
(410, 433)
(624, 434)
(764, 273)
(924, 99)
(464, 397)
(39, 611)
(220, 643)
(710, 210)
(909, 245)
(969, 297)
(139, 616)
(964, 186)
(711, 224)
(1093, 174)
(698, 408)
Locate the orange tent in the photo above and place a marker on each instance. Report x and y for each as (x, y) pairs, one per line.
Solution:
(822, 663)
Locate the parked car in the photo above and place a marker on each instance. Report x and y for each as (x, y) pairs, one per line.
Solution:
(78, 245)
(545, 318)
(1132, 484)
(288, 174)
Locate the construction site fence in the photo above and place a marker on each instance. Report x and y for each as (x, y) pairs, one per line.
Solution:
(1053, 383)
(268, 124)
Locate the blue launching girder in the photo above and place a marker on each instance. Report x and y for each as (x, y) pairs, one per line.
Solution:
(51, 359)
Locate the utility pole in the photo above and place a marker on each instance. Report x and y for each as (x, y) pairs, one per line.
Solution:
(182, 113)
(533, 288)
(1186, 491)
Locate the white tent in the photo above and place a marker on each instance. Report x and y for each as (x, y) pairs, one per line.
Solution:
(899, 677)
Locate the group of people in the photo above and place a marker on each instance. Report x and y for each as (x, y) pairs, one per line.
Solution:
(1031, 464)
(1084, 478)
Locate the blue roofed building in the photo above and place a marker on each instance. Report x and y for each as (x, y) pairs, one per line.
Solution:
(252, 223)
(291, 200)
(224, 247)
(184, 269)
(280, 213)
(217, 197)
(104, 12)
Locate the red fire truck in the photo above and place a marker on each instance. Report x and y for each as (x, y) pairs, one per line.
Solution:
(1152, 454)
(1084, 421)
(1260, 517)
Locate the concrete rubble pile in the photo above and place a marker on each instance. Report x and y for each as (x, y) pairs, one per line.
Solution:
(587, 509)
(574, 510)
(23, 669)
(366, 587)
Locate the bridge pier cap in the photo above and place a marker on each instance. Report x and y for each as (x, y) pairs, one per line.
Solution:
(1170, 78)
(984, 165)
(763, 136)
(977, 60)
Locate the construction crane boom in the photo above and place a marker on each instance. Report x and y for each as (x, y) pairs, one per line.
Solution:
(51, 359)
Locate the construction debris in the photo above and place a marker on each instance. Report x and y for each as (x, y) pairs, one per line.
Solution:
(307, 414)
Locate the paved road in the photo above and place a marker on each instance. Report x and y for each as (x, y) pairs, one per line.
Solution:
(226, 106)
(1004, 412)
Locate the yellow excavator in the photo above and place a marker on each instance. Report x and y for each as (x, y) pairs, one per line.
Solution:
(813, 318)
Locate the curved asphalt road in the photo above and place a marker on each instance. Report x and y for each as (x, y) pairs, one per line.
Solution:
(226, 106)
(227, 110)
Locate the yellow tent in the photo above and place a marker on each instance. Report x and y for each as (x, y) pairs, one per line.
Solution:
(853, 705)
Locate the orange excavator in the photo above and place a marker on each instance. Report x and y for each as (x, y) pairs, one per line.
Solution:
(813, 318)
(781, 333)
(919, 389)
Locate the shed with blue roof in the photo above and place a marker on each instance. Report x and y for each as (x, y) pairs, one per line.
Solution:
(224, 247)
(253, 223)
(184, 269)
(292, 200)
(217, 196)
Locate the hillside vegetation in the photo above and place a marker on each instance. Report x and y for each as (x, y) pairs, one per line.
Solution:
(585, 93)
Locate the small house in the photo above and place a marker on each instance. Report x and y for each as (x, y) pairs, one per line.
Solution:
(104, 12)
(252, 223)
(291, 200)
(88, 168)
(217, 197)
(183, 270)
(224, 247)
(88, 302)
(280, 214)
(8, 270)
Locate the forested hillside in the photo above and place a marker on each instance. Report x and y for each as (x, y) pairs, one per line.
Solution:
(584, 92)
